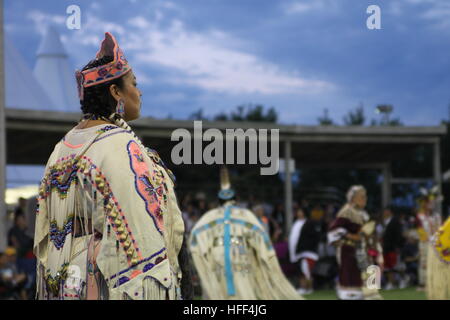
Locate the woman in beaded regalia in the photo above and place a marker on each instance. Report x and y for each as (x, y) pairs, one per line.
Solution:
(108, 224)
(438, 264)
(234, 256)
(427, 222)
(349, 232)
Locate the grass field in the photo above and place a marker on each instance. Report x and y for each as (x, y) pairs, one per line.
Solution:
(398, 294)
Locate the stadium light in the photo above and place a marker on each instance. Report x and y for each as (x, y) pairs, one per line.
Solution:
(385, 111)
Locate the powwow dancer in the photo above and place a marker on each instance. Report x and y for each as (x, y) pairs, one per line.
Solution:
(348, 233)
(233, 254)
(108, 224)
(438, 264)
(428, 222)
(304, 241)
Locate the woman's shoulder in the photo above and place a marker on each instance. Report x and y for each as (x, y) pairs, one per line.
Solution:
(112, 134)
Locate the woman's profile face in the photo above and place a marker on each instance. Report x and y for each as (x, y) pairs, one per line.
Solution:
(360, 199)
(131, 96)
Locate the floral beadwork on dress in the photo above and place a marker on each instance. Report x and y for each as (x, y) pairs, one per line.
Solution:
(157, 159)
(152, 192)
(150, 187)
(57, 235)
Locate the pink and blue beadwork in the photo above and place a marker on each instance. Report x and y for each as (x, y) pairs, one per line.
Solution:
(149, 192)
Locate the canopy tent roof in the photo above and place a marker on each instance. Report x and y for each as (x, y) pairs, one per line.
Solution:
(55, 74)
(50, 86)
(23, 91)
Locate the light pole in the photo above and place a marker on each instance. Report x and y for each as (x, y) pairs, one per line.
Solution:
(385, 110)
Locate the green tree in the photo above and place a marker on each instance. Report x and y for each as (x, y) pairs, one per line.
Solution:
(197, 115)
(221, 117)
(325, 120)
(355, 117)
(250, 112)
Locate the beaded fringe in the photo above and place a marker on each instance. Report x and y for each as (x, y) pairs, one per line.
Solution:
(438, 277)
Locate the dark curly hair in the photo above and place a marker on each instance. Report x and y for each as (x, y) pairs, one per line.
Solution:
(98, 99)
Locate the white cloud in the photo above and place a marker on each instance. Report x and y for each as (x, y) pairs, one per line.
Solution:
(395, 8)
(91, 32)
(170, 97)
(439, 13)
(139, 22)
(141, 77)
(299, 7)
(206, 60)
(436, 12)
(75, 41)
(42, 20)
(303, 6)
(95, 6)
(212, 60)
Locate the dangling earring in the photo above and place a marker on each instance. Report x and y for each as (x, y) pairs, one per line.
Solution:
(120, 108)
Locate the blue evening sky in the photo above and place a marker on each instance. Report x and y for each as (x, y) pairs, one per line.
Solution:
(299, 56)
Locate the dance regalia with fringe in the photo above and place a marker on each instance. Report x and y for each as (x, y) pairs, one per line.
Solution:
(438, 264)
(108, 225)
(427, 225)
(348, 221)
(235, 259)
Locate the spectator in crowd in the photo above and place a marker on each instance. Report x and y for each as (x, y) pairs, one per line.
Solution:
(21, 206)
(12, 283)
(17, 236)
(303, 248)
(278, 214)
(258, 210)
(272, 228)
(281, 247)
(5, 278)
(392, 243)
(23, 244)
(410, 256)
(201, 204)
(187, 200)
(317, 213)
(330, 213)
(188, 214)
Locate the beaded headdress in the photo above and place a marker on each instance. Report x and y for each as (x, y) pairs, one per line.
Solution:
(112, 70)
(432, 194)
